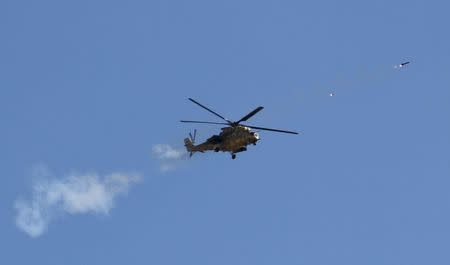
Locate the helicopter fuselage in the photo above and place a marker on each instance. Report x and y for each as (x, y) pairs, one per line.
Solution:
(233, 139)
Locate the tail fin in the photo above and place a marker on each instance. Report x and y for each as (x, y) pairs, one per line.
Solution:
(189, 146)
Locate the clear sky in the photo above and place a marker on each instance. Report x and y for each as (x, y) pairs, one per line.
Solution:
(89, 88)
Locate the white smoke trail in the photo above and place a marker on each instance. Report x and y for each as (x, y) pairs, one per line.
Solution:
(73, 194)
(169, 157)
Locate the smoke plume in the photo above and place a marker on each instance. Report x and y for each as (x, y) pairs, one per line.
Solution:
(73, 194)
(169, 157)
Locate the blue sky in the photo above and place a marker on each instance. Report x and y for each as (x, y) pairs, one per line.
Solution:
(89, 88)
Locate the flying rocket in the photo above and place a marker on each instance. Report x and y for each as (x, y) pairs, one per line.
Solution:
(401, 65)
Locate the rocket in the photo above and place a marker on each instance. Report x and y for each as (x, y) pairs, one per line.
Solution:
(403, 64)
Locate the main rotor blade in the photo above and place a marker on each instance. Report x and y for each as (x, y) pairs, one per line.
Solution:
(218, 115)
(248, 116)
(269, 129)
(206, 122)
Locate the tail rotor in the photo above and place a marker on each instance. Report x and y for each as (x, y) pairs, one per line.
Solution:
(189, 142)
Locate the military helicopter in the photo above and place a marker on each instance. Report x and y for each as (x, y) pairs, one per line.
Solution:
(234, 138)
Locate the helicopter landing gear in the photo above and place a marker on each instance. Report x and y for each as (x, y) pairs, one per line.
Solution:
(233, 156)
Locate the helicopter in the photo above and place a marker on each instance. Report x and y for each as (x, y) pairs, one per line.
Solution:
(233, 138)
